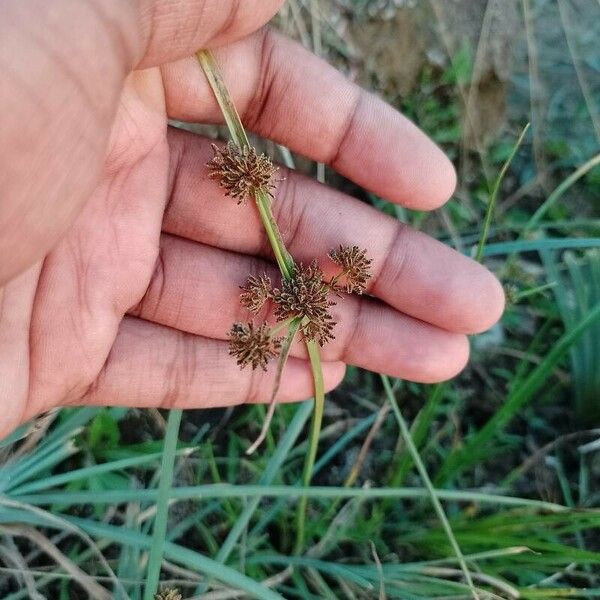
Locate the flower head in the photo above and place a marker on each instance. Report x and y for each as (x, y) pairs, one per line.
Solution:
(511, 293)
(252, 345)
(170, 594)
(241, 172)
(355, 267)
(306, 295)
(255, 293)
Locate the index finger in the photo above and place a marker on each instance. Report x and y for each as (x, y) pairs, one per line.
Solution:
(286, 94)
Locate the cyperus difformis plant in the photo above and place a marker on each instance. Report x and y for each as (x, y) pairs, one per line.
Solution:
(303, 296)
(302, 300)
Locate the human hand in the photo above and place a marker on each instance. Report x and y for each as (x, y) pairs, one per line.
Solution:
(121, 261)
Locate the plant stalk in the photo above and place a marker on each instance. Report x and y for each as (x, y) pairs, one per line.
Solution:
(313, 441)
(285, 263)
(239, 136)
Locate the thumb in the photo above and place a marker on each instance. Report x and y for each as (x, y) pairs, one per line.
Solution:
(62, 67)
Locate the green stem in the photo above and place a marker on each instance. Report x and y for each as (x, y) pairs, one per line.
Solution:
(239, 136)
(535, 290)
(283, 325)
(489, 213)
(419, 431)
(230, 114)
(313, 442)
(283, 357)
(162, 504)
(282, 256)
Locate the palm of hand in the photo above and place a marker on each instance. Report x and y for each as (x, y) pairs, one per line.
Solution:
(79, 294)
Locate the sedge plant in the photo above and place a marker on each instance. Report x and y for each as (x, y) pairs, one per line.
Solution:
(302, 299)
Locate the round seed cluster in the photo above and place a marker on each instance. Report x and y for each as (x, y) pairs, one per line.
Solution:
(255, 293)
(306, 295)
(241, 172)
(253, 345)
(170, 594)
(355, 267)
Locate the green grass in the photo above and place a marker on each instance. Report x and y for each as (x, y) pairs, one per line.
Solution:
(492, 486)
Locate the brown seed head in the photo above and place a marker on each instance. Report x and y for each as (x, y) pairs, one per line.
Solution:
(241, 172)
(511, 293)
(255, 293)
(170, 594)
(355, 267)
(252, 345)
(306, 295)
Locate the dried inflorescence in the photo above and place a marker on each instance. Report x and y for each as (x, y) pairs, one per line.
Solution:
(170, 594)
(306, 295)
(253, 345)
(511, 293)
(355, 268)
(241, 172)
(256, 292)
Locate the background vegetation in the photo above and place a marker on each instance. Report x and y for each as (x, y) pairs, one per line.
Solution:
(512, 445)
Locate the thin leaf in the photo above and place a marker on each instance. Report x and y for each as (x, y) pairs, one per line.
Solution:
(283, 357)
(162, 505)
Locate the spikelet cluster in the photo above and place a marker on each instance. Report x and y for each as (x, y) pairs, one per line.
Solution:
(253, 345)
(355, 268)
(306, 295)
(256, 292)
(241, 172)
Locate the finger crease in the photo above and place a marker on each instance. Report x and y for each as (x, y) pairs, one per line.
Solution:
(355, 328)
(295, 215)
(261, 99)
(231, 17)
(148, 306)
(348, 127)
(390, 255)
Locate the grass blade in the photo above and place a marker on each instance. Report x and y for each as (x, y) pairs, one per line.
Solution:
(489, 212)
(516, 246)
(313, 442)
(226, 490)
(162, 505)
(184, 556)
(273, 466)
(555, 196)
